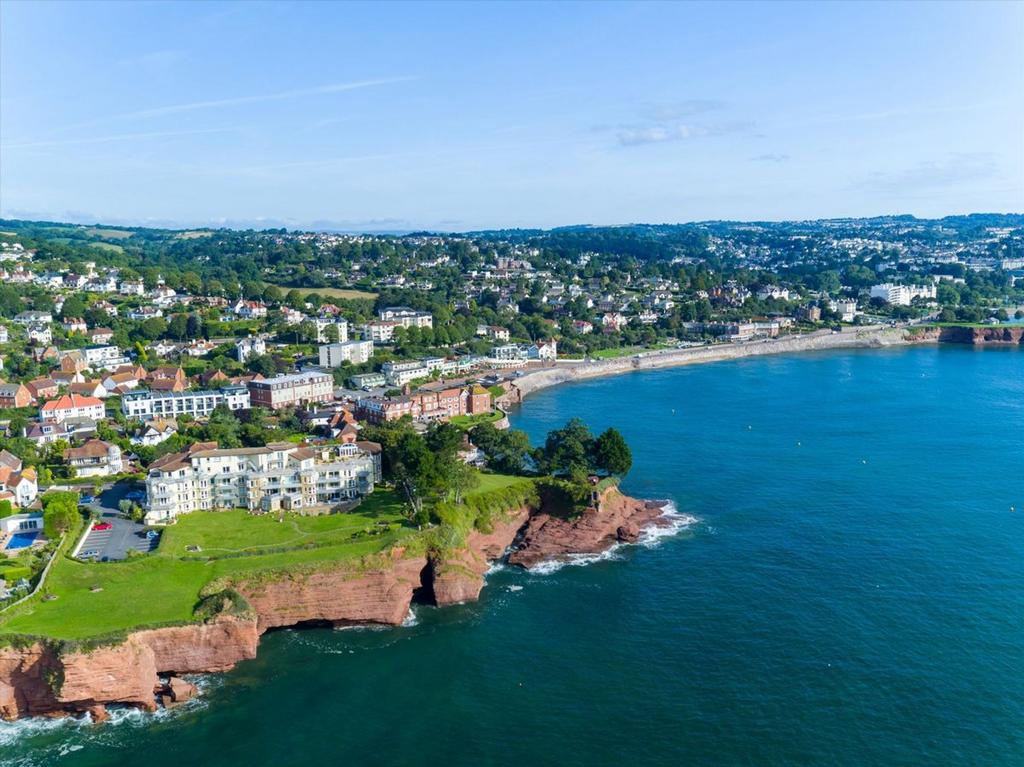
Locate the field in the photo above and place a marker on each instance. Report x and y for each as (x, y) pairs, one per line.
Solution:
(332, 292)
(108, 234)
(192, 235)
(163, 587)
(469, 421)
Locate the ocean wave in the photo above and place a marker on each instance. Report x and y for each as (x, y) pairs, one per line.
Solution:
(670, 523)
(411, 619)
(577, 560)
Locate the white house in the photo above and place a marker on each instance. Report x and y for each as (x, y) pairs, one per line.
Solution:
(249, 347)
(356, 352)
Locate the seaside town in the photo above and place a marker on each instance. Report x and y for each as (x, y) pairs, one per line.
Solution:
(149, 374)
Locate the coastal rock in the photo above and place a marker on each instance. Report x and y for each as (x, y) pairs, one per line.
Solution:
(616, 518)
(214, 646)
(460, 577)
(339, 596)
(176, 692)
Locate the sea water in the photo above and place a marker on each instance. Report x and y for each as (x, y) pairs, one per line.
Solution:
(846, 588)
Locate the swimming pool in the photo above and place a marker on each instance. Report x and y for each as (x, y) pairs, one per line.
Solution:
(21, 541)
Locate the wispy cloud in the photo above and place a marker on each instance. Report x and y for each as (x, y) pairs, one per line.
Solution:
(279, 96)
(770, 157)
(679, 109)
(628, 136)
(114, 138)
(955, 169)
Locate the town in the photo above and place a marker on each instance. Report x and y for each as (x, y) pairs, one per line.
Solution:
(169, 372)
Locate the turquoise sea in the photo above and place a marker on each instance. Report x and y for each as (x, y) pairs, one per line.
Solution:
(852, 594)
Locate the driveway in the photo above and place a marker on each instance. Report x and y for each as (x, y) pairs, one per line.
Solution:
(123, 536)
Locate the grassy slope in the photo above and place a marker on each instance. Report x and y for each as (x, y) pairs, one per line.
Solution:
(330, 292)
(162, 588)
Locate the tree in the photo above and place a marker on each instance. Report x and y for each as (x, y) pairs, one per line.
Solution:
(60, 512)
(567, 451)
(178, 327)
(73, 306)
(612, 454)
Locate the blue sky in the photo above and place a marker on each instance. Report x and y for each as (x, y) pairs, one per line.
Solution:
(462, 116)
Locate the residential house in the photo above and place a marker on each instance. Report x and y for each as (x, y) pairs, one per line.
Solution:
(72, 406)
(168, 404)
(43, 388)
(249, 347)
(95, 458)
(18, 485)
(100, 335)
(406, 317)
(89, 389)
(14, 395)
(47, 432)
(154, 432)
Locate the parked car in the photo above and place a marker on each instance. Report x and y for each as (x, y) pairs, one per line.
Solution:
(102, 526)
(87, 499)
(136, 495)
(152, 534)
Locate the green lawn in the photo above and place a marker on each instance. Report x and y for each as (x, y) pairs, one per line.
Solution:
(490, 482)
(164, 588)
(469, 421)
(625, 351)
(329, 292)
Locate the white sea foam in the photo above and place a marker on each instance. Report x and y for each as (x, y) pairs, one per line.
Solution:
(577, 560)
(671, 522)
(411, 619)
(515, 588)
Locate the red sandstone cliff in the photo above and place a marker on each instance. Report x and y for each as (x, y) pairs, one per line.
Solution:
(40, 680)
(987, 335)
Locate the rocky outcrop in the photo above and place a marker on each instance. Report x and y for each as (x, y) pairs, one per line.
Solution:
(616, 518)
(338, 596)
(460, 577)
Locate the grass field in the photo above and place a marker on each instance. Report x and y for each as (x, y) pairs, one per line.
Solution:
(332, 292)
(192, 235)
(164, 588)
(469, 421)
(108, 234)
(491, 482)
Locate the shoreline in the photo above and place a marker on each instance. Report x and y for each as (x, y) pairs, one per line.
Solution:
(823, 340)
(850, 338)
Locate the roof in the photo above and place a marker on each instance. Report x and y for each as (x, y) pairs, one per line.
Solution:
(70, 401)
(9, 459)
(373, 448)
(94, 448)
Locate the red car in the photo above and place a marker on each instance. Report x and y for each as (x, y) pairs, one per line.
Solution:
(102, 526)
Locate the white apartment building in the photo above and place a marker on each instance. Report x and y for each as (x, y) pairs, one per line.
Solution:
(322, 323)
(401, 373)
(104, 357)
(167, 404)
(845, 308)
(902, 295)
(356, 352)
(280, 475)
(380, 332)
(406, 317)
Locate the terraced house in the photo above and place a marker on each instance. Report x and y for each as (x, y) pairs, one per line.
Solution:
(280, 475)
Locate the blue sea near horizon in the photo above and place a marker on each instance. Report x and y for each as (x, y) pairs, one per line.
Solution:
(852, 594)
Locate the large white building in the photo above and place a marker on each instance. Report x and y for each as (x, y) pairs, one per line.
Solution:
(280, 475)
(168, 404)
(303, 388)
(356, 352)
(406, 317)
(902, 295)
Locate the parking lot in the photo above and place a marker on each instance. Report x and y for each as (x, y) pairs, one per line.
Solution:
(122, 535)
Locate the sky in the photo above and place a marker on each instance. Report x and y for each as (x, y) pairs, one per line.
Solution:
(465, 116)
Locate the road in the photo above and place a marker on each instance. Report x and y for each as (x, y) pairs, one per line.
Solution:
(123, 536)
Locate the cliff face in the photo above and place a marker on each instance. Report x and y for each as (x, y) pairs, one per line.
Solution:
(338, 596)
(461, 577)
(981, 336)
(40, 680)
